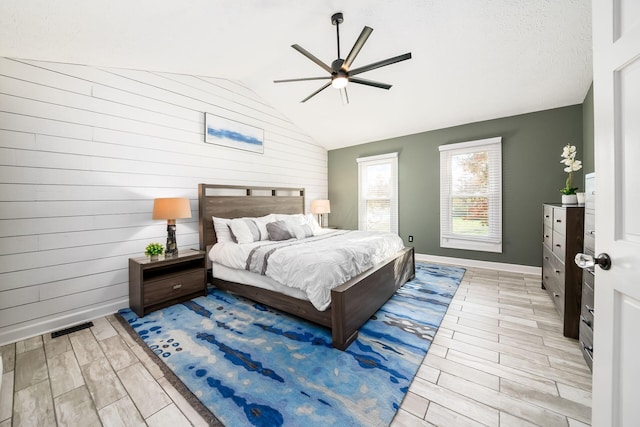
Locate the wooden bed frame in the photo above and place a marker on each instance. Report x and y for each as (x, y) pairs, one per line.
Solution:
(352, 303)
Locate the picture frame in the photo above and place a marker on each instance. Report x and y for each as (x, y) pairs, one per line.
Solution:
(230, 133)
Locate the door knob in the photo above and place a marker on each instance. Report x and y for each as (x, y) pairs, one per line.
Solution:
(586, 261)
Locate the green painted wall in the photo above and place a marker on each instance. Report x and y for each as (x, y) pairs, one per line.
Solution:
(531, 175)
(588, 164)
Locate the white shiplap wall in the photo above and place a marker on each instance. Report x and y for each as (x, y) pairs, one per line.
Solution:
(83, 153)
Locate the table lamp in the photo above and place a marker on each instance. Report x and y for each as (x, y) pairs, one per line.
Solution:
(320, 207)
(171, 209)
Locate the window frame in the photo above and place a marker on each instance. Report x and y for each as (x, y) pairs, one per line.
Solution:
(363, 162)
(493, 242)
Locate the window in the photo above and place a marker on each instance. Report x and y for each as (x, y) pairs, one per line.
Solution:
(471, 195)
(378, 193)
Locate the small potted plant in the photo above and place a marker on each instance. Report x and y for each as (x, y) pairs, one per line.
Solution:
(569, 196)
(153, 250)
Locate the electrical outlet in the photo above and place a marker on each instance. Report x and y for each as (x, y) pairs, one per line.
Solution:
(410, 238)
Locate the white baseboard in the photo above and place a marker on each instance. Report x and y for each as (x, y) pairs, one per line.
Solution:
(61, 322)
(462, 262)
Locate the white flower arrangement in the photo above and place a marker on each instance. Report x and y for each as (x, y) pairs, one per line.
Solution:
(572, 165)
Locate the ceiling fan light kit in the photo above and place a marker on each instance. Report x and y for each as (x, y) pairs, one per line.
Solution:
(340, 71)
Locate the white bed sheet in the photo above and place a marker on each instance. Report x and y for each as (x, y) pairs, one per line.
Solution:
(314, 265)
(245, 277)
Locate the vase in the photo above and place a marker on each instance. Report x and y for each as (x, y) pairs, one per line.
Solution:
(153, 257)
(581, 198)
(569, 199)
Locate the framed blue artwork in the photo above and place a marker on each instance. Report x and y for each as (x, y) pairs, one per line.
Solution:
(229, 133)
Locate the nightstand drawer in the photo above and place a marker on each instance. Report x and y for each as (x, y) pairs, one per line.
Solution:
(172, 286)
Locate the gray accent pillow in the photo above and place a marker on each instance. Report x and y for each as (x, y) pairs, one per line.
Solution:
(278, 230)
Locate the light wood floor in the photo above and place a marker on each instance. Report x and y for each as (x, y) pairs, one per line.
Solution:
(498, 359)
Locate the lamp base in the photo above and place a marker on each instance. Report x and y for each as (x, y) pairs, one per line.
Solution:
(172, 245)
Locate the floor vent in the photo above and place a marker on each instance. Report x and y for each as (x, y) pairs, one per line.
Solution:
(76, 328)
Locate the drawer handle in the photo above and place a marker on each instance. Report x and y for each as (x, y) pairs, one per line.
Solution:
(546, 216)
(178, 286)
(585, 321)
(558, 245)
(589, 309)
(546, 236)
(547, 258)
(592, 232)
(558, 220)
(556, 295)
(587, 348)
(557, 271)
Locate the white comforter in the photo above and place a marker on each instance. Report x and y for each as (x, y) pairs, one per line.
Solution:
(315, 264)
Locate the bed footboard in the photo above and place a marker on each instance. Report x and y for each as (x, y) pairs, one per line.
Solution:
(354, 302)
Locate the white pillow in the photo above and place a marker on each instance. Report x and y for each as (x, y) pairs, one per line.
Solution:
(298, 219)
(223, 232)
(247, 230)
(300, 231)
(313, 222)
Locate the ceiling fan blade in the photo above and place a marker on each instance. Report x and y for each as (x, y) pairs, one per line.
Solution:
(302, 79)
(316, 92)
(312, 57)
(369, 83)
(344, 96)
(355, 50)
(380, 64)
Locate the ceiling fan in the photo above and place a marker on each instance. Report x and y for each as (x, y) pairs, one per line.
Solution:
(340, 71)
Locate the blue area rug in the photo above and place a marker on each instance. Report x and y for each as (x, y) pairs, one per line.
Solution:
(251, 365)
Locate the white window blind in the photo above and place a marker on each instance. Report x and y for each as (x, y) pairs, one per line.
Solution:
(378, 193)
(471, 195)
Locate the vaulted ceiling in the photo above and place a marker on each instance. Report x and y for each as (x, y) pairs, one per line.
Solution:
(472, 59)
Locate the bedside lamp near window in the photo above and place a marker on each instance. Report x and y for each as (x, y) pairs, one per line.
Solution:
(320, 207)
(171, 209)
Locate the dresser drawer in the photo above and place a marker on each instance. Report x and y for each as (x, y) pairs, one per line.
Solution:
(588, 277)
(589, 231)
(586, 343)
(547, 236)
(173, 286)
(553, 268)
(557, 296)
(547, 216)
(590, 191)
(586, 309)
(558, 244)
(551, 280)
(559, 220)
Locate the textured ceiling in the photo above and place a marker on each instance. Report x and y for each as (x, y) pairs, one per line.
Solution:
(472, 59)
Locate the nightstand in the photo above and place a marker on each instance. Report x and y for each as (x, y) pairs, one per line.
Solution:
(166, 281)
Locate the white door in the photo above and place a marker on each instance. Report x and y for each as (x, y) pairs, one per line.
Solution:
(616, 62)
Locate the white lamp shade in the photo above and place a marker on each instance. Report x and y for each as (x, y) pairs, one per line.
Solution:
(171, 208)
(320, 207)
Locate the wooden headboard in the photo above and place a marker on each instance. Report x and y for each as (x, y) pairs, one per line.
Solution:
(234, 201)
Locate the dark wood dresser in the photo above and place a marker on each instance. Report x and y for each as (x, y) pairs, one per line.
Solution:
(562, 237)
(588, 275)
